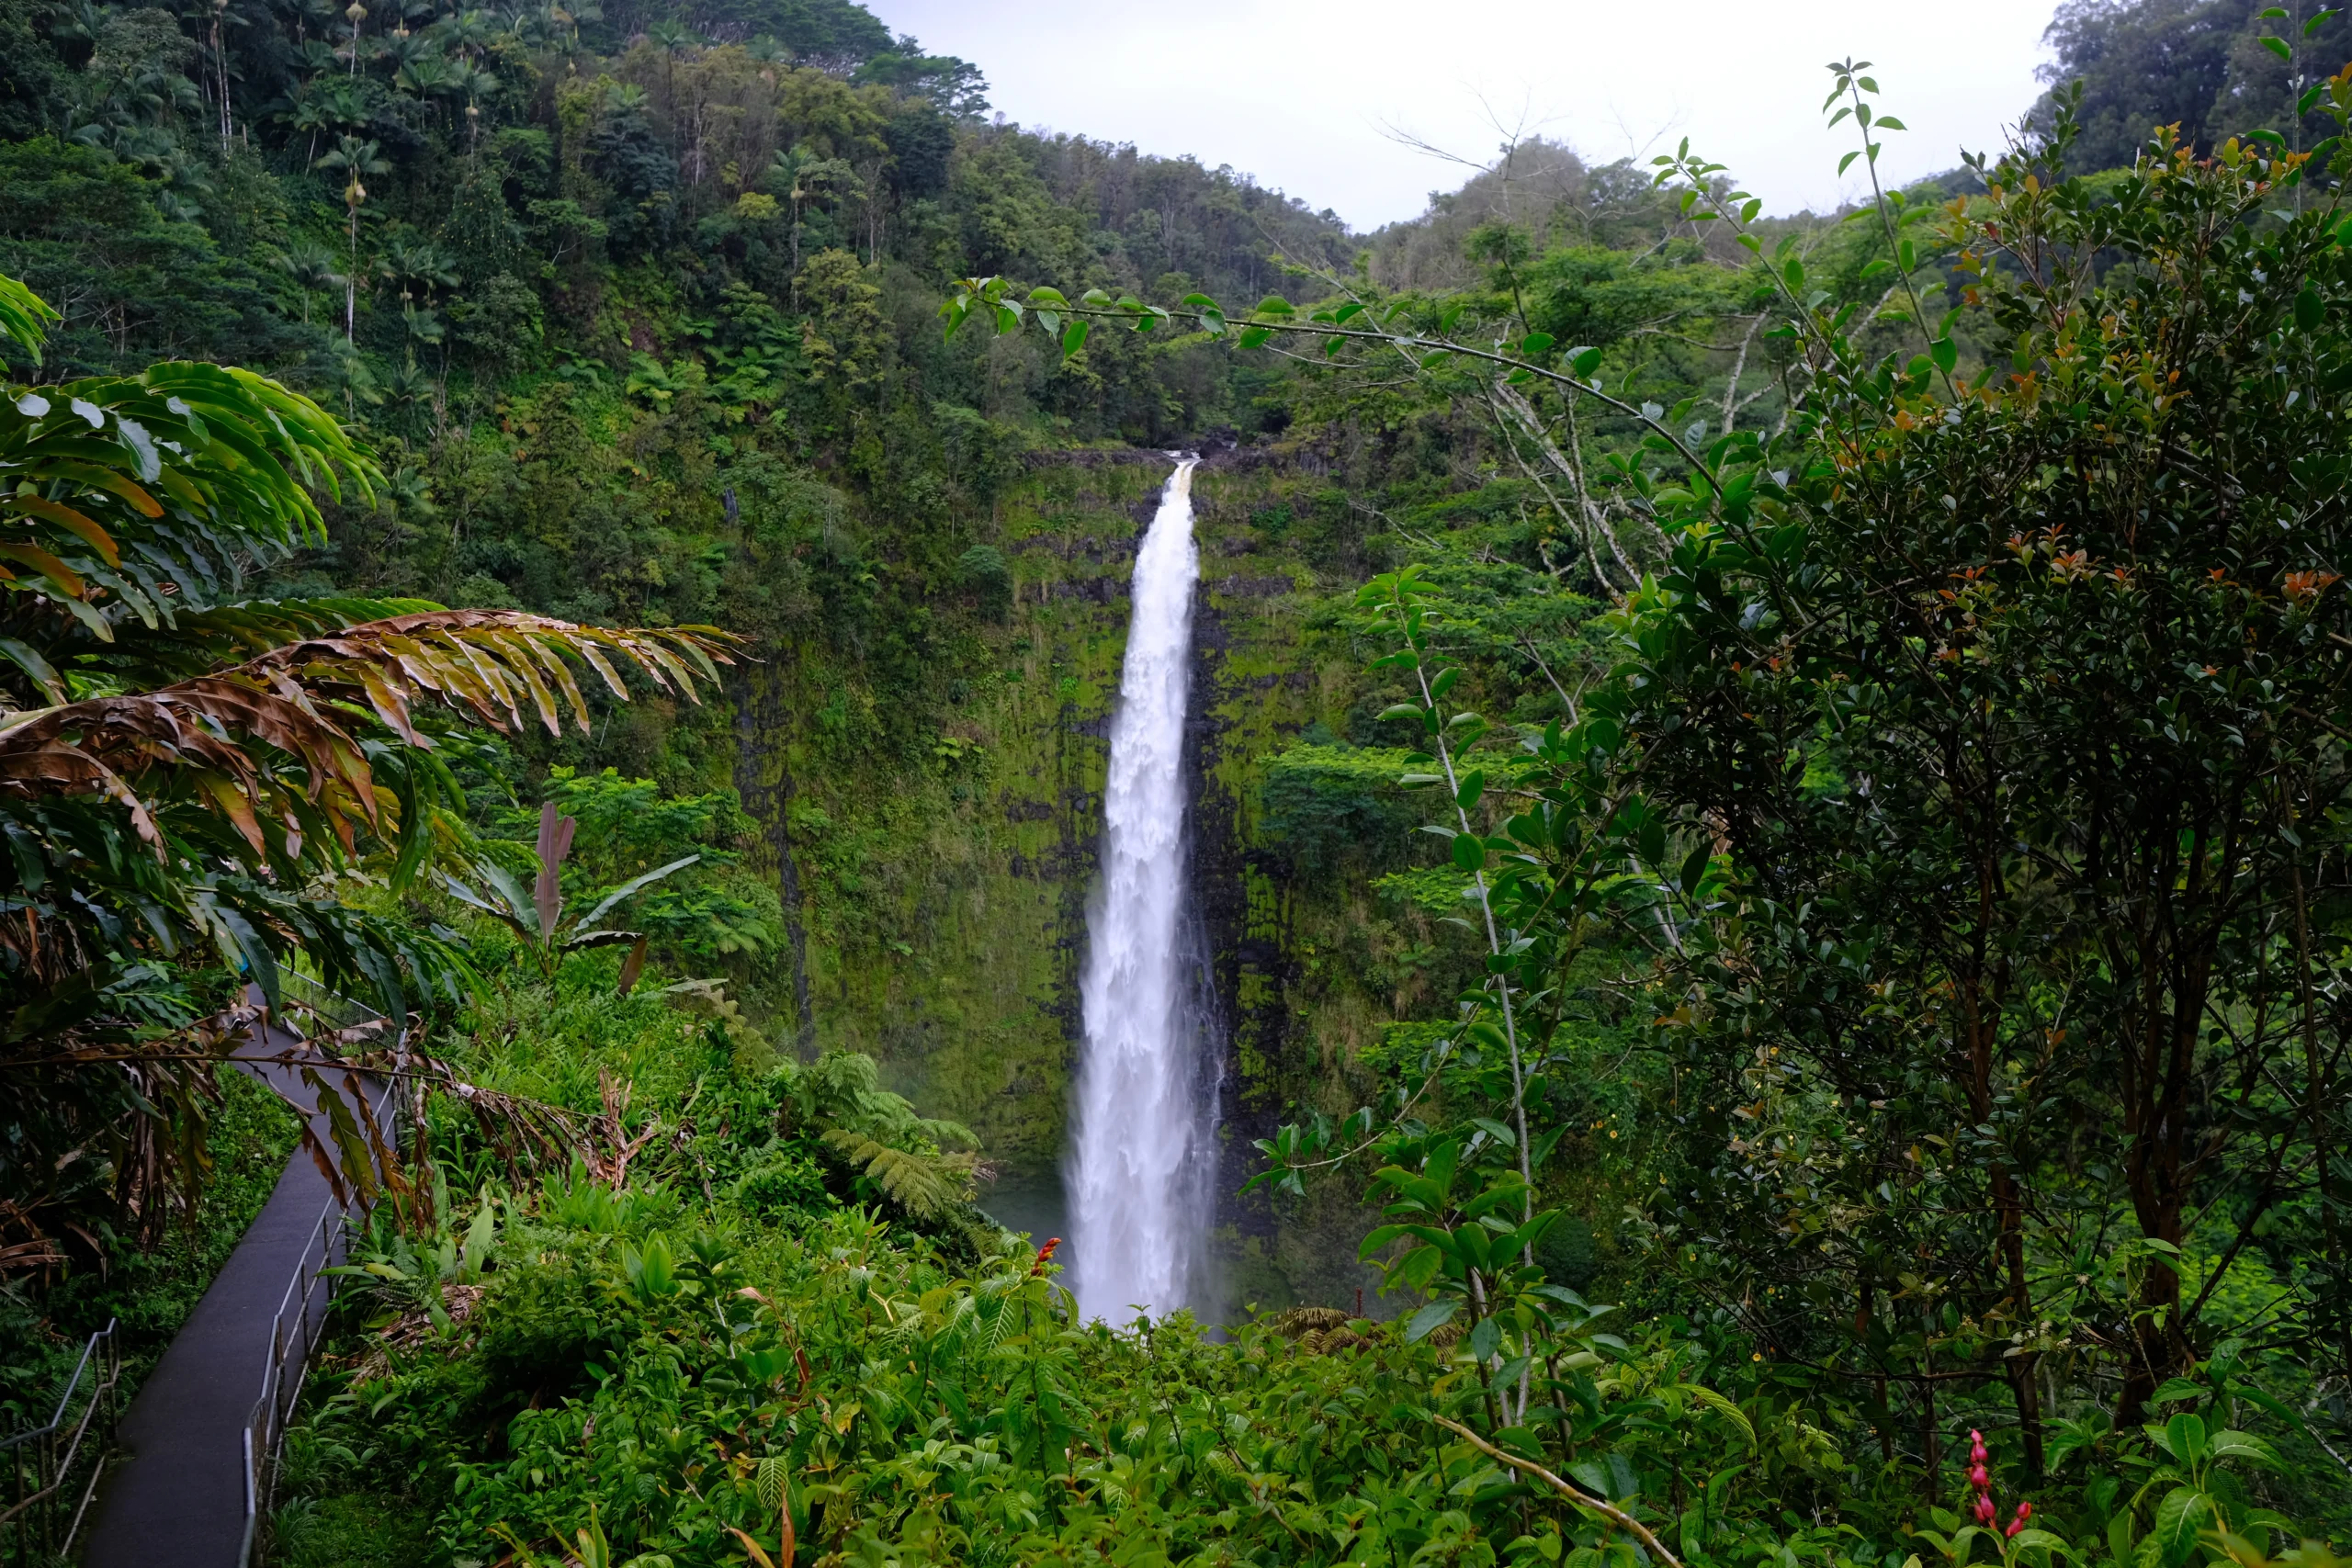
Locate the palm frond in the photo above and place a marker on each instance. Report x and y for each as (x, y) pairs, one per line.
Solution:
(119, 494)
(23, 315)
(484, 664)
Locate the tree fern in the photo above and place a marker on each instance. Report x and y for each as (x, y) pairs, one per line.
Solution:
(928, 1186)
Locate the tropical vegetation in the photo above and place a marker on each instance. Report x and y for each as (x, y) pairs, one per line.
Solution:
(1774, 831)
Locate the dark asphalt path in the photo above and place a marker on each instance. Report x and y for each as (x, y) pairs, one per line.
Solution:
(179, 1494)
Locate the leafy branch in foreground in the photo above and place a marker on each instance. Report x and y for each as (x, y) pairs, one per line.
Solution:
(183, 772)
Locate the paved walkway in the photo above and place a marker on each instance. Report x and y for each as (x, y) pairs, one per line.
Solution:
(179, 1494)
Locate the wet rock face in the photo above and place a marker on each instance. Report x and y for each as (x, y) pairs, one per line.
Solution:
(944, 904)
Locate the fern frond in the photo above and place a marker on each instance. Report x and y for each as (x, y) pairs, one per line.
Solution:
(929, 1187)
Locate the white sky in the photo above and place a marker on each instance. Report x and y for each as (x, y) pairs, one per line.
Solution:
(1296, 92)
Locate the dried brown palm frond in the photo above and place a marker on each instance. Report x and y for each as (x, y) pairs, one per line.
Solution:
(489, 665)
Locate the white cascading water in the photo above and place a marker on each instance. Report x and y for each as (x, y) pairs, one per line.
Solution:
(1142, 1159)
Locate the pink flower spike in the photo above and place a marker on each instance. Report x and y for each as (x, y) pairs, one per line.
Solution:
(1979, 1479)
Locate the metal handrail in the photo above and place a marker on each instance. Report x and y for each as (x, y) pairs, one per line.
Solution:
(39, 1472)
(291, 1330)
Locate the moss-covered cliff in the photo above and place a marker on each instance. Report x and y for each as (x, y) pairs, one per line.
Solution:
(943, 917)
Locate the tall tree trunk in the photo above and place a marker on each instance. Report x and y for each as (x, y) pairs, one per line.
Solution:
(2164, 1044)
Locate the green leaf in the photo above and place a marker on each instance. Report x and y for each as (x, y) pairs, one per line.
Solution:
(1888, 122)
(1430, 1318)
(1275, 304)
(1074, 337)
(1469, 852)
(2317, 22)
(2179, 1517)
(2310, 310)
(1253, 337)
(2184, 1439)
(1584, 361)
(1848, 161)
(1473, 784)
(1945, 353)
(26, 658)
(1535, 345)
(2279, 47)
(2234, 1444)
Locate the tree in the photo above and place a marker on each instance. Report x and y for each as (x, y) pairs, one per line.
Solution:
(181, 765)
(2145, 63)
(1966, 802)
(359, 160)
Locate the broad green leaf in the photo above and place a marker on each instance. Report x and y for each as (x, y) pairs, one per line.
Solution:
(2184, 1437)
(2184, 1512)
(1469, 852)
(2234, 1444)
(1430, 1318)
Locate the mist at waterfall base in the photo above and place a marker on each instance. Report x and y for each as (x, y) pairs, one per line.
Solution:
(1139, 1175)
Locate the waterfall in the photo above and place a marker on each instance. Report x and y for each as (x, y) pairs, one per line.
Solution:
(1141, 1164)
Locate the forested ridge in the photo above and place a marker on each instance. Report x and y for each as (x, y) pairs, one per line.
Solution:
(1768, 795)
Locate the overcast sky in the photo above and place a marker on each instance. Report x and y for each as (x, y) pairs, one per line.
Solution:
(1298, 91)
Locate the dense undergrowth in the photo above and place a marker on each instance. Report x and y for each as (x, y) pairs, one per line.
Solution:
(747, 1337)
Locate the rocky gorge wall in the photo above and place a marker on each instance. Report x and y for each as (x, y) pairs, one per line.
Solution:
(942, 910)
